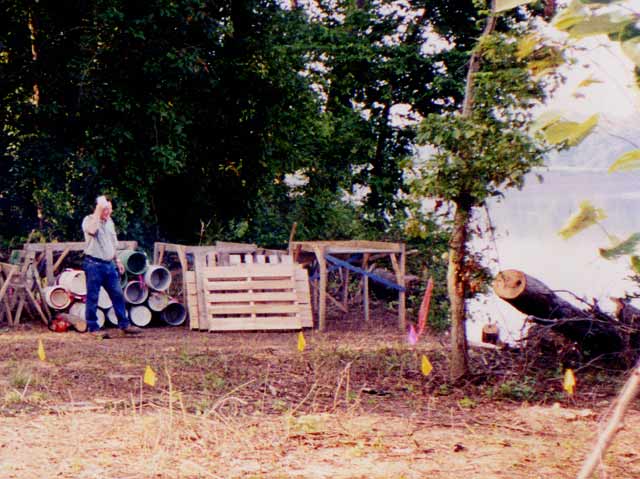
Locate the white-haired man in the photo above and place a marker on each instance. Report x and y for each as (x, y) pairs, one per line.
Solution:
(103, 268)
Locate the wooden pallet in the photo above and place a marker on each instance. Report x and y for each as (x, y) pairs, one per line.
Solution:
(303, 296)
(251, 296)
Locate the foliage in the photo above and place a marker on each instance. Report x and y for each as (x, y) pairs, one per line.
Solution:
(191, 114)
(430, 238)
(585, 217)
(483, 149)
(618, 20)
(476, 157)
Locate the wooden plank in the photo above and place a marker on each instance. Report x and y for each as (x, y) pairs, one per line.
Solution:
(72, 246)
(48, 253)
(21, 300)
(322, 288)
(254, 271)
(210, 285)
(202, 310)
(396, 269)
(402, 296)
(60, 260)
(266, 308)
(189, 288)
(190, 297)
(337, 303)
(345, 289)
(38, 285)
(365, 287)
(250, 296)
(8, 277)
(253, 324)
(354, 246)
(36, 305)
(304, 297)
(238, 248)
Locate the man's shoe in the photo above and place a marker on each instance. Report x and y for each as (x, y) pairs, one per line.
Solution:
(98, 335)
(130, 331)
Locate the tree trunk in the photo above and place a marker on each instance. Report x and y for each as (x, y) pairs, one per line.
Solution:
(456, 283)
(456, 286)
(530, 296)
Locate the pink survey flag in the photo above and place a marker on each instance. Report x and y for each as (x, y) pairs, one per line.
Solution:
(424, 307)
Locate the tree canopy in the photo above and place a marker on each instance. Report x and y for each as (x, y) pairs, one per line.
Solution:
(195, 115)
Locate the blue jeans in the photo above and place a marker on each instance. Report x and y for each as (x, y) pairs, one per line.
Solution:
(103, 274)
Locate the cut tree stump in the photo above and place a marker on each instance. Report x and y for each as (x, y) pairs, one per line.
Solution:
(532, 297)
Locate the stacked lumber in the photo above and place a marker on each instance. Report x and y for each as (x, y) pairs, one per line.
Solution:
(252, 292)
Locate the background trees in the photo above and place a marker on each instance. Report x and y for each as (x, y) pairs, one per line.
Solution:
(193, 114)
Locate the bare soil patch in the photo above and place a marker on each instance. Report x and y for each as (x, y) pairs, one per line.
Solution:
(352, 405)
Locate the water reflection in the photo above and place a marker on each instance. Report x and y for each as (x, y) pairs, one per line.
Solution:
(527, 223)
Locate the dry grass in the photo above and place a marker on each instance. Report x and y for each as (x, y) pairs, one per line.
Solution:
(528, 442)
(354, 405)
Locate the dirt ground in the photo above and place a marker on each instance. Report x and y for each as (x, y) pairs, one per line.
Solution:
(354, 404)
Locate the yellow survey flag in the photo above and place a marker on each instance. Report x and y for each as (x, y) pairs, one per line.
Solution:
(149, 376)
(301, 342)
(41, 354)
(569, 382)
(426, 367)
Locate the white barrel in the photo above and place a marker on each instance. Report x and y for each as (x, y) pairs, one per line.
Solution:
(140, 315)
(111, 316)
(104, 301)
(74, 281)
(157, 301)
(57, 297)
(136, 292)
(157, 277)
(79, 309)
(174, 314)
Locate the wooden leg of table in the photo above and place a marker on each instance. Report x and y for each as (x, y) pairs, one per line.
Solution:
(365, 286)
(322, 289)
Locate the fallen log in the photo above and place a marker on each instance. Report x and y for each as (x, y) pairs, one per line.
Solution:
(594, 335)
(595, 331)
(532, 297)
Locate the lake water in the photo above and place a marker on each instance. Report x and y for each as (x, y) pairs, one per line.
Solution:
(527, 223)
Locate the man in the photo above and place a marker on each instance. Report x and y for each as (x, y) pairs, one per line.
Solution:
(100, 263)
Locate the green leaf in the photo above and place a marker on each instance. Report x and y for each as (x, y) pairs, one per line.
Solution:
(626, 247)
(587, 215)
(629, 161)
(545, 120)
(631, 48)
(599, 25)
(502, 5)
(635, 263)
(527, 45)
(570, 132)
(598, 2)
(570, 16)
(588, 81)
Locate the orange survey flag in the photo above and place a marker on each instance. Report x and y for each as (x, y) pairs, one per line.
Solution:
(41, 354)
(149, 376)
(424, 307)
(426, 367)
(569, 382)
(302, 343)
